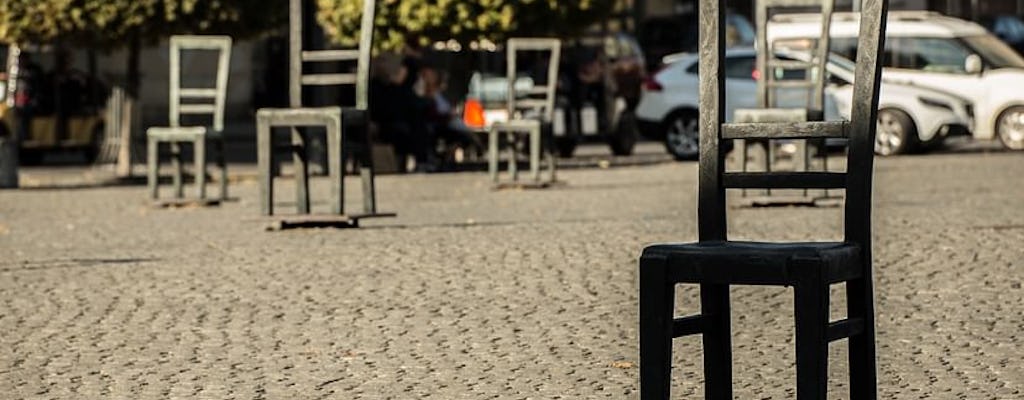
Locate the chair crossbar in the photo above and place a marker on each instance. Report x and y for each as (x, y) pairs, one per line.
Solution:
(533, 43)
(786, 130)
(784, 180)
(197, 108)
(198, 92)
(531, 103)
(790, 64)
(330, 55)
(790, 84)
(537, 90)
(328, 79)
(791, 3)
(689, 325)
(299, 117)
(845, 328)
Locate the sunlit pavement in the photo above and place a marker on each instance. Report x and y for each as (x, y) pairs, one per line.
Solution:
(472, 293)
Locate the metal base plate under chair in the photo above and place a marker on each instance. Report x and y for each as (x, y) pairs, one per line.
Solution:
(789, 201)
(283, 222)
(528, 185)
(185, 203)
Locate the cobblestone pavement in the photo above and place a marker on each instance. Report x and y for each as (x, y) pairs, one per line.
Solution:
(477, 294)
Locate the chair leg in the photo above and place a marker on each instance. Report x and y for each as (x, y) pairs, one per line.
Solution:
(153, 167)
(265, 161)
(812, 317)
(199, 147)
(860, 304)
(179, 189)
(299, 158)
(492, 155)
(367, 170)
(714, 304)
(657, 298)
(513, 167)
(535, 153)
(223, 166)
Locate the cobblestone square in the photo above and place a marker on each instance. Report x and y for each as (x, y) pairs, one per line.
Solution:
(478, 294)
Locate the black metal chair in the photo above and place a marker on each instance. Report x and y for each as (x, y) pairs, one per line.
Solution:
(714, 262)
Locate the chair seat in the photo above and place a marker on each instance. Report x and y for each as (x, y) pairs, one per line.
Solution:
(754, 263)
(181, 133)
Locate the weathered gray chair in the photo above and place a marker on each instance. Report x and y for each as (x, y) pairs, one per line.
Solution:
(715, 262)
(530, 116)
(200, 101)
(347, 128)
(812, 81)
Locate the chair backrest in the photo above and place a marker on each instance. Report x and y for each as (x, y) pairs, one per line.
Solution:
(540, 97)
(298, 55)
(197, 95)
(860, 130)
(768, 63)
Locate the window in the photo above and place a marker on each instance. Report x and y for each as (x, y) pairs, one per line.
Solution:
(740, 67)
(993, 52)
(736, 67)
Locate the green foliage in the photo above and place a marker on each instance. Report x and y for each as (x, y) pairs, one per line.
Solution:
(113, 22)
(401, 21)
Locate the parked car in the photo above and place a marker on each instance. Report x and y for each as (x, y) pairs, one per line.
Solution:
(910, 118)
(931, 50)
(598, 90)
(908, 114)
(1008, 28)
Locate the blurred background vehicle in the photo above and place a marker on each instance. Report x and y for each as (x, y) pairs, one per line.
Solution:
(598, 90)
(931, 50)
(911, 117)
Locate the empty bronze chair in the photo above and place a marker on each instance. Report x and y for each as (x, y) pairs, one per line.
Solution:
(715, 263)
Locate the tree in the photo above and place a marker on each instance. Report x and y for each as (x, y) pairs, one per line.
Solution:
(114, 23)
(401, 21)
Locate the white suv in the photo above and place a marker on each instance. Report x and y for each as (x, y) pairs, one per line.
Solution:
(931, 50)
(908, 115)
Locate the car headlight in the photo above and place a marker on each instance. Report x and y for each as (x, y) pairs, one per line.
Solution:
(935, 103)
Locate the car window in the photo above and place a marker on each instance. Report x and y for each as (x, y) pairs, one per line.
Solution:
(993, 52)
(740, 67)
(928, 54)
(736, 67)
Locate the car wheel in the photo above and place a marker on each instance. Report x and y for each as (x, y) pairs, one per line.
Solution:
(896, 133)
(1010, 128)
(682, 136)
(623, 139)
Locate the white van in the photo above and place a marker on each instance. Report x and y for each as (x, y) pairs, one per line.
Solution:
(932, 50)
